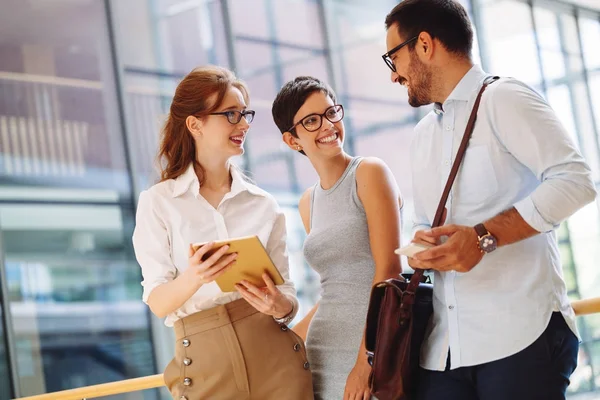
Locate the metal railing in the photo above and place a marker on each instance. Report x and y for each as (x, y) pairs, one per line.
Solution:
(581, 307)
(105, 389)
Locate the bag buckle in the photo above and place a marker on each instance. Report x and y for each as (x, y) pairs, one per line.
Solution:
(370, 356)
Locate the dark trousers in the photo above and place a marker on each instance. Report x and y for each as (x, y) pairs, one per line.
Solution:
(539, 372)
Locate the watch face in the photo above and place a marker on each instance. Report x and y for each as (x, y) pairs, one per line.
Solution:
(488, 243)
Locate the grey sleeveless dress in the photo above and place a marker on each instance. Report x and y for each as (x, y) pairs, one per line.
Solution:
(338, 248)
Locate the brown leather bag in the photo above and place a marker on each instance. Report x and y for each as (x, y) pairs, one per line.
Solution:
(399, 310)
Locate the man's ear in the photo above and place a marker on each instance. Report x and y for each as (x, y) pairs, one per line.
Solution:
(194, 125)
(291, 141)
(425, 46)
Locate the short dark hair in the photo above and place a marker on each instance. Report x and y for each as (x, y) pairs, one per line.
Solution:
(445, 20)
(292, 96)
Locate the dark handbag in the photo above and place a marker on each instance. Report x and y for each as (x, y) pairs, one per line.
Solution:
(399, 310)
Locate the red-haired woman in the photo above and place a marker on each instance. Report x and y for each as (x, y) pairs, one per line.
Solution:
(228, 345)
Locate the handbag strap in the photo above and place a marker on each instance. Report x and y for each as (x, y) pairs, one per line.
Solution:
(437, 221)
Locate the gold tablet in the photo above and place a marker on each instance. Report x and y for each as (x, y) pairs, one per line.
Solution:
(252, 261)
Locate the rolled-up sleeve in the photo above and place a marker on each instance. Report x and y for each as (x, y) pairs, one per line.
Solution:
(277, 249)
(419, 216)
(530, 130)
(151, 245)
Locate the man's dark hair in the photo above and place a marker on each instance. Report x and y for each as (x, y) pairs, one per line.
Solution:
(445, 20)
(292, 96)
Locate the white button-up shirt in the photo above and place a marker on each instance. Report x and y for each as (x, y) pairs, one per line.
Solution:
(172, 214)
(519, 156)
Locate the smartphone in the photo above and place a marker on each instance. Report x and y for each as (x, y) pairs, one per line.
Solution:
(411, 249)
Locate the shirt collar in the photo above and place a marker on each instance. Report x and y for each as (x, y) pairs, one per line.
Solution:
(189, 181)
(465, 88)
(239, 184)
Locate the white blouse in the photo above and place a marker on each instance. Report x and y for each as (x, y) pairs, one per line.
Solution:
(172, 214)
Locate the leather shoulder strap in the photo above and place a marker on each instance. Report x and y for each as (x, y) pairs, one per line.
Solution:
(437, 220)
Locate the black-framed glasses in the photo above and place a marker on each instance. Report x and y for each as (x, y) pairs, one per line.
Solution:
(313, 122)
(234, 116)
(387, 57)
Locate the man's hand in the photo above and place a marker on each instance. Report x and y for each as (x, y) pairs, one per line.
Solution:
(460, 252)
(424, 237)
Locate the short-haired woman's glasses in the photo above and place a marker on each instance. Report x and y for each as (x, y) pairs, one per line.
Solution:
(313, 122)
(234, 116)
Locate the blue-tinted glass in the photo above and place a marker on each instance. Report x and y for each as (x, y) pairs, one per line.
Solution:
(4, 370)
(74, 296)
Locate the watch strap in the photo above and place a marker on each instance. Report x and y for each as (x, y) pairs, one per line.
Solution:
(481, 230)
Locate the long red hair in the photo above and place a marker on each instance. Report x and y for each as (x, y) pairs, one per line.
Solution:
(192, 97)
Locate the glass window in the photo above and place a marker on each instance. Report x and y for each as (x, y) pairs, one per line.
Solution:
(5, 382)
(251, 18)
(171, 36)
(583, 236)
(274, 174)
(357, 32)
(590, 37)
(506, 43)
(392, 144)
(570, 42)
(148, 99)
(305, 172)
(268, 56)
(305, 278)
(560, 101)
(553, 62)
(304, 28)
(587, 126)
(74, 296)
(264, 139)
(58, 116)
(594, 82)
(160, 43)
(300, 62)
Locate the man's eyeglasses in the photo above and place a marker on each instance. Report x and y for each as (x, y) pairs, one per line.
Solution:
(313, 122)
(234, 116)
(387, 57)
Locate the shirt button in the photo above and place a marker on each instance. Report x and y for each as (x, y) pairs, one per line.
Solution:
(446, 163)
(448, 127)
(451, 307)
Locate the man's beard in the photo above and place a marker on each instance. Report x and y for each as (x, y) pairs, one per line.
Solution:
(419, 90)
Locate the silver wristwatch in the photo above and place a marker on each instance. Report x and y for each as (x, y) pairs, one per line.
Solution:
(286, 319)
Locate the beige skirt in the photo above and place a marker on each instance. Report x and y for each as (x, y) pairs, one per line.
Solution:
(235, 352)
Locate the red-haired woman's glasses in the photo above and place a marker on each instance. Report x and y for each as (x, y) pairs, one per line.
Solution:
(234, 116)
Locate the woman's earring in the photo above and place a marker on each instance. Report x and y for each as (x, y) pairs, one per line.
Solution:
(298, 148)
